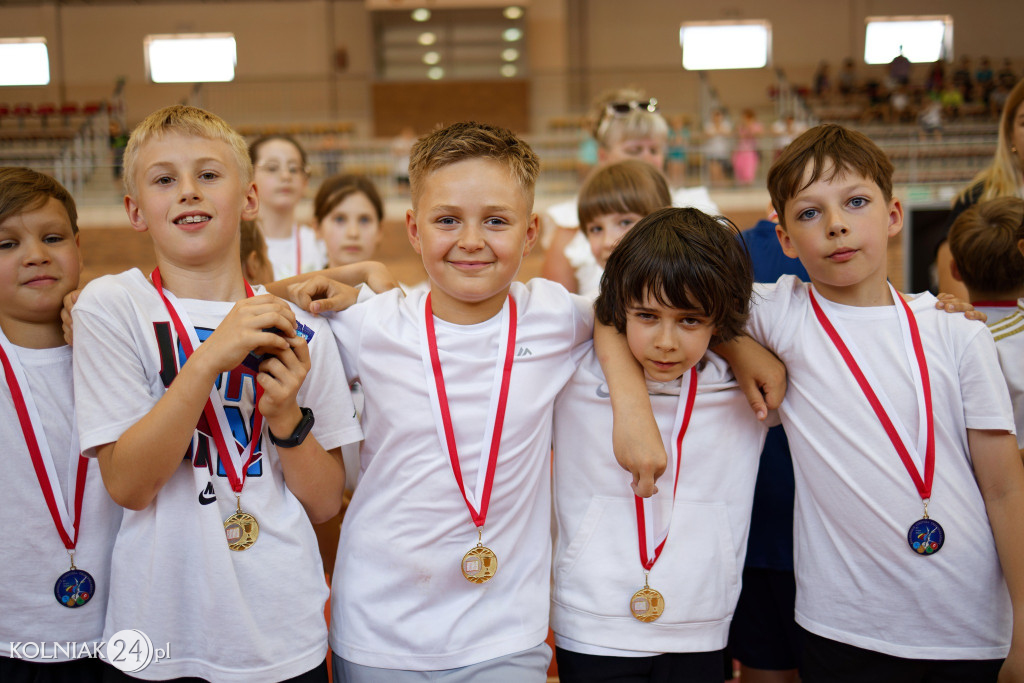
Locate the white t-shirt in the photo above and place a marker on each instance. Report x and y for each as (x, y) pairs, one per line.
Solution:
(401, 601)
(581, 258)
(1008, 331)
(285, 252)
(32, 555)
(858, 581)
(597, 565)
(255, 615)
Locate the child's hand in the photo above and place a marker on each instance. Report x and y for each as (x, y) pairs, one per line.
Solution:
(759, 373)
(243, 330)
(379, 278)
(281, 375)
(640, 451)
(65, 314)
(951, 304)
(322, 295)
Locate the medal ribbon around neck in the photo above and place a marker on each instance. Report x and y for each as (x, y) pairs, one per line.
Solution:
(915, 351)
(66, 520)
(650, 548)
(479, 502)
(238, 459)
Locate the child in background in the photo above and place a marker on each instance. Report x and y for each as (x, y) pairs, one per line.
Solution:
(677, 282)
(48, 599)
(256, 266)
(221, 466)
(626, 125)
(984, 242)
(612, 200)
(348, 211)
(281, 176)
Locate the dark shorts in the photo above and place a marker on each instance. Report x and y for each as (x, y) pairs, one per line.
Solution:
(829, 661)
(692, 667)
(317, 675)
(85, 670)
(764, 634)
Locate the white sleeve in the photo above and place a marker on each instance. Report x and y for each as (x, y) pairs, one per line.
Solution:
(985, 394)
(770, 303)
(346, 326)
(326, 392)
(583, 327)
(112, 391)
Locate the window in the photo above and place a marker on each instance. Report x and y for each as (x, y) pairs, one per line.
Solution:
(24, 61)
(725, 44)
(922, 39)
(191, 57)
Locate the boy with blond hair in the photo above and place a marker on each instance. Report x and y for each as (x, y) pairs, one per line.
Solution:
(987, 245)
(52, 501)
(219, 463)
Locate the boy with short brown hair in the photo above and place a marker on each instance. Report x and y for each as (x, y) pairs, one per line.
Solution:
(216, 556)
(52, 500)
(895, 413)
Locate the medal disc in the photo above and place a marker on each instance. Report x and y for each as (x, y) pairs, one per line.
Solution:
(926, 536)
(241, 530)
(74, 588)
(479, 564)
(647, 604)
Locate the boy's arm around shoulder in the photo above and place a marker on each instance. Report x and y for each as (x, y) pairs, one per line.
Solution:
(332, 289)
(1000, 475)
(108, 368)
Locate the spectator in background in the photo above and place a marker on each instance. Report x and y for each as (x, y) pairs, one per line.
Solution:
(1007, 76)
(822, 81)
(745, 158)
(936, 78)
(847, 79)
(985, 79)
(899, 69)
(717, 145)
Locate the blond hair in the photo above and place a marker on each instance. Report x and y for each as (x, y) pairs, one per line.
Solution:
(1003, 177)
(191, 122)
(472, 140)
(638, 124)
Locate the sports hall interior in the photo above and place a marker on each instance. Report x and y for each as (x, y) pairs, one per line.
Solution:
(346, 76)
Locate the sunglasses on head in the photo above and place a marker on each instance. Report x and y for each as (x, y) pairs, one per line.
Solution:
(623, 108)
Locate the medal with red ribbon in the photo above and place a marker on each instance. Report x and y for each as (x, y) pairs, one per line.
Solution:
(75, 587)
(240, 529)
(925, 536)
(648, 604)
(480, 563)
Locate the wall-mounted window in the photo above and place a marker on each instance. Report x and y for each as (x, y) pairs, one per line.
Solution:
(191, 57)
(921, 39)
(475, 43)
(725, 44)
(24, 61)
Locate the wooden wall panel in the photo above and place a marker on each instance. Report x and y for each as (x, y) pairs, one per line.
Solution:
(425, 105)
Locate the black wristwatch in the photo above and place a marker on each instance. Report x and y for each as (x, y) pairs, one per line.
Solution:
(299, 434)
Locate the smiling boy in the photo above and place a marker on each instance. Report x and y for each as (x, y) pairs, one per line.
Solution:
(220, 469)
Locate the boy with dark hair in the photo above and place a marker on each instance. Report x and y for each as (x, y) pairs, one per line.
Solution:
(216, 555)
(987, 244)
(677, 281)
(894, 413)
(52, 501)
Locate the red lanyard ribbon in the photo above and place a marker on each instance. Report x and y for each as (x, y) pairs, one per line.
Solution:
(214, 410)
(39, 451)
(924, 486)
(479, 515)
(650, 550)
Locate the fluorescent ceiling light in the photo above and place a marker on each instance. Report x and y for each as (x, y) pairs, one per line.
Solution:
(191, 58)
(24, 61)
(725, 45)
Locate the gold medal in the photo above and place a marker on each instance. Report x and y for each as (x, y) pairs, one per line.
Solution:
(241, 529)
(480, 563)
(646, 604)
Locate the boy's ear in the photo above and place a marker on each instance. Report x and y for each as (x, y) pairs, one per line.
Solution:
(532, 233)
(895, 217)
(1020, 246)
(135, 217)
(251, 208)
(955, 272)
(785, 242)
(412, 230)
